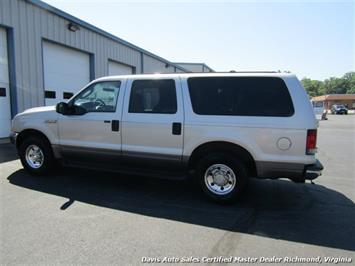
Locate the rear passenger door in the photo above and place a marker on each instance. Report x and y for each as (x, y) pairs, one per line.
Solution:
(152, 120)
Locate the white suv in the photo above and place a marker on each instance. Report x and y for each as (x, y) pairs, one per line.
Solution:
(219, 128)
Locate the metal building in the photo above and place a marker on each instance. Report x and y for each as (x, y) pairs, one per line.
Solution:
(46, 55)
(195, 67)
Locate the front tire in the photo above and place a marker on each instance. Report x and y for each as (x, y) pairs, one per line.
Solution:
(222, 177)
(36, 155)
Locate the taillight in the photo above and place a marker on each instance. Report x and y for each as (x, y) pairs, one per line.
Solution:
(311, 145)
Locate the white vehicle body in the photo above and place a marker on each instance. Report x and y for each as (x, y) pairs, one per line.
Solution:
(276, 145)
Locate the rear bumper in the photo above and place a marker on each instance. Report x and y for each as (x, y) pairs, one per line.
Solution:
(297, 172)
(313, 171)
(341, 112)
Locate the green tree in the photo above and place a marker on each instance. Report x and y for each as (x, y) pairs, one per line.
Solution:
(350, 81)
(313, 87)
(335, 86)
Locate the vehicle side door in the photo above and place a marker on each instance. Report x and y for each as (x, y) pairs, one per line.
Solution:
(152, 122)
(97, 131)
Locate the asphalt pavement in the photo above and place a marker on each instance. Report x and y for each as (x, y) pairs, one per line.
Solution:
(89, 217)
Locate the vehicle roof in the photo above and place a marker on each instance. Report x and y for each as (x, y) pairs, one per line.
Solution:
(187, 75)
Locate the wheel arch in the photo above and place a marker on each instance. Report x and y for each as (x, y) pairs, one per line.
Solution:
(30, 133)
(224, 147)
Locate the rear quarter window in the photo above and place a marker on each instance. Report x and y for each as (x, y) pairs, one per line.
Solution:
(240, 96)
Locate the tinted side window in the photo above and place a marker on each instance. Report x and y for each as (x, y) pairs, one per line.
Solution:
(153, 96)
(243, 96)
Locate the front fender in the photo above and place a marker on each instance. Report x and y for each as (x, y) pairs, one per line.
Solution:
(48, 127)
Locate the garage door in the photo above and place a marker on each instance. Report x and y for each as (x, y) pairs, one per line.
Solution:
(5, 111)
(65, 72)
(115, 68)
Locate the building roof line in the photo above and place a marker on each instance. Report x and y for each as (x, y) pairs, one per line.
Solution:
(106, 34)
(334, 97)
(194, 63)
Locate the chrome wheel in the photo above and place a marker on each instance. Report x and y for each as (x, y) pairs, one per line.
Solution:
(220, 179)
(34, 156)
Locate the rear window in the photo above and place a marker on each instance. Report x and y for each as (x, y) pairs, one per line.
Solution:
(317, 104)
(241, 96)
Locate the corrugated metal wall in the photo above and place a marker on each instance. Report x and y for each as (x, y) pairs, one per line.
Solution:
(32, 24)
(193, 67)
(152, 65)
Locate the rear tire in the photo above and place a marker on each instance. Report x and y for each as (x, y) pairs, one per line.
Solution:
(222, 177)
(36, 155)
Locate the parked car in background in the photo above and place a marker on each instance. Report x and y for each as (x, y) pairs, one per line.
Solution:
(220, 129)
(319, 111)
(339, 109)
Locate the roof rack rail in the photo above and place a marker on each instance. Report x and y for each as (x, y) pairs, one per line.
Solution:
(233, 71)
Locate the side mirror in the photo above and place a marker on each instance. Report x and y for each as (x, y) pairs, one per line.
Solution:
(62, 108)
(66, 109)
(78, 110)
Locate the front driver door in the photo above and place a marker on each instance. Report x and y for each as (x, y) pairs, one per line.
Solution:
(98, 131)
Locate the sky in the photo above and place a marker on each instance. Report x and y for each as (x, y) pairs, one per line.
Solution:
(314, 39)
